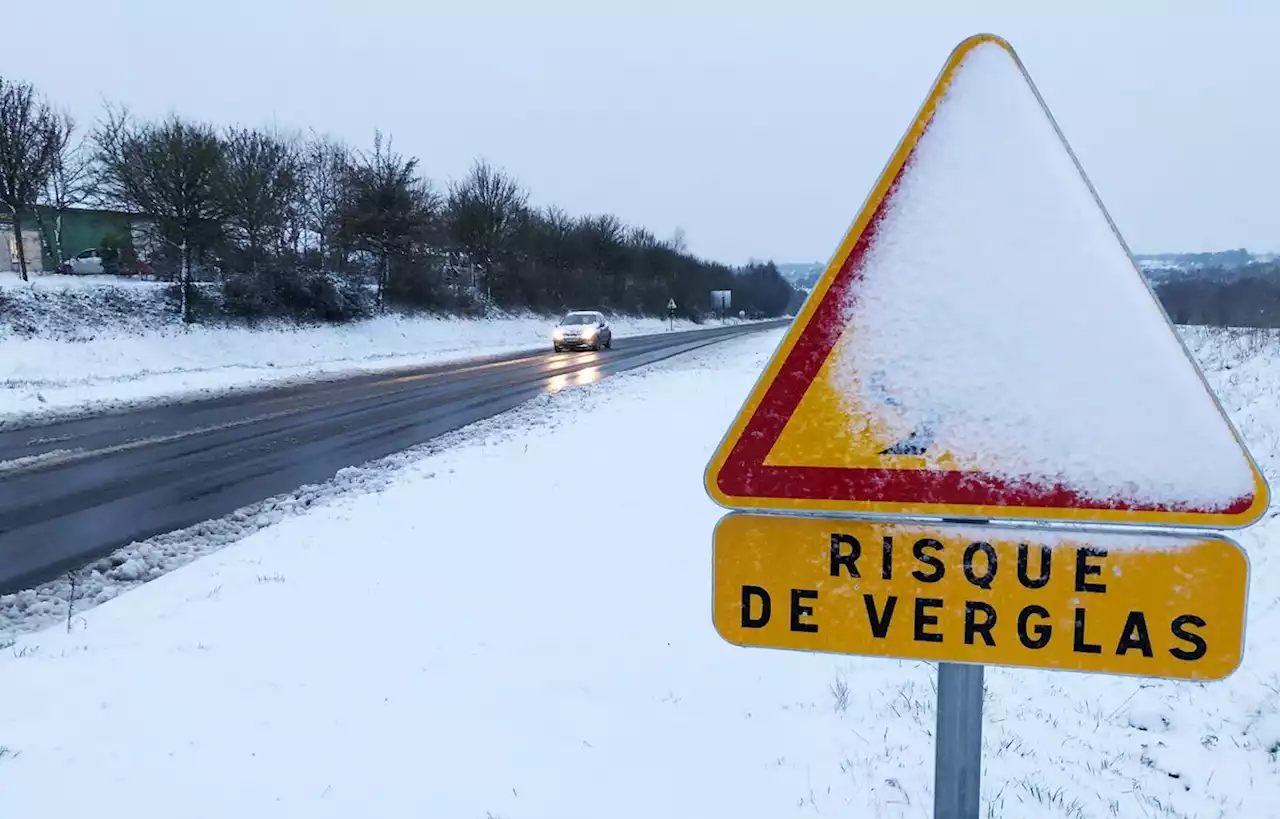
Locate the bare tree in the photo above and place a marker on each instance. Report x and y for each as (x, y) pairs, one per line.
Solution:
(70, 183)
(172, 172)
(641, 238)
(261, 178)
(602, 239)
(325, 163)
(388, 209)
(557, 251)
(31, 137)
(484, 213)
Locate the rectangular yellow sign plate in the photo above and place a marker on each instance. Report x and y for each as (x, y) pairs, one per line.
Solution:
(1151, 605)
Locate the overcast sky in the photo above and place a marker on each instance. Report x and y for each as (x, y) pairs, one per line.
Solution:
(758, 127)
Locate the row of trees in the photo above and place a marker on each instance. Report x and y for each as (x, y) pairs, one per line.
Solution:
(304, 224)
(1213, 300)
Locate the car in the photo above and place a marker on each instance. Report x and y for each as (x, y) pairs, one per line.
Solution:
(582, 330)
(86, 261)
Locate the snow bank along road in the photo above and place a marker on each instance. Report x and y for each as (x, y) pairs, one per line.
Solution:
(75, 490)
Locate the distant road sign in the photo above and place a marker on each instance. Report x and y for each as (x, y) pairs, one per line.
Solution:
(1154, 605)
(671, 304)
(721, 299)
(982, 345)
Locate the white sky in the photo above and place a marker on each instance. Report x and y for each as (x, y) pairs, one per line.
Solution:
(756, 126)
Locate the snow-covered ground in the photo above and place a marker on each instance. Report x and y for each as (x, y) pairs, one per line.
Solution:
(60, 364)
(496, 633)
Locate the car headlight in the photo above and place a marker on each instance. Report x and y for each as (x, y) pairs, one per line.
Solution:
(557, 334)
(589, 332)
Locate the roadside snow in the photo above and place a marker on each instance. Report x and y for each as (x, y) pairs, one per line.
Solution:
(60, 283)
(80, 308)
(141, 356)
(147, 560)
(519, 626)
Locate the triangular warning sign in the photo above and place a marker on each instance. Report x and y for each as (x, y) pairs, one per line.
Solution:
(982, 345)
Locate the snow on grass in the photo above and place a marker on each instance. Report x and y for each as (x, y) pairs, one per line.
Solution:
(1054, 367)
(519, 626)
(62, 600)
(60, 283)
(144, 356)
(81, 308)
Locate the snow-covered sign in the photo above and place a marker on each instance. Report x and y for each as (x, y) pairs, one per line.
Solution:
(671, 304)
(982, 345)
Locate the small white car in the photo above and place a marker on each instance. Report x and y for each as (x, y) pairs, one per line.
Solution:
(84, 262)
(582, 330)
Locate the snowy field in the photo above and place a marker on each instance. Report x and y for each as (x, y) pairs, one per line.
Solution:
(60, 363)
(491, 634)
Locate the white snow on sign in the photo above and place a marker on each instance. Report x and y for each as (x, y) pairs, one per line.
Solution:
(998, 303)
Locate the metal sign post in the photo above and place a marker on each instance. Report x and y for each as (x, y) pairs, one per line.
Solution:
(957, 772)
(957, 752)
(720, 301)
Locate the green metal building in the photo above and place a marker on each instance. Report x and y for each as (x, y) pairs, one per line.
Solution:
(78, 229)
(85, 228)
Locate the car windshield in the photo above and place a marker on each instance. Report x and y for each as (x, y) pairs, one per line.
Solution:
(578, 318)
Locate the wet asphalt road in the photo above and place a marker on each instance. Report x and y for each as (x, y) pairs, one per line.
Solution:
(90, 485)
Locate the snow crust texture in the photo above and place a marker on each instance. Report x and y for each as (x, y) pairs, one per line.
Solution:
(999, 311)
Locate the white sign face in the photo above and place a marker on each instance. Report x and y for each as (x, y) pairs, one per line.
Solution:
(671, 304)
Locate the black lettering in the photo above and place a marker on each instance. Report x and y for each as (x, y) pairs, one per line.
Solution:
(1086, 569)
(981, 581)
(972, 626)
(922, 619)
(748, 621)
(1046, 556)
(1199, 646)
(1043, 631)
(1080, 645)
(1134, 635)
(880, 622)
(886, 555)
(850, 560)
(799, 610)
(929, 560)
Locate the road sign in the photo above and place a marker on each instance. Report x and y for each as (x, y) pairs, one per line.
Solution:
(1154, 605)
(982, 345)
(721, 299)
(671, 304)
